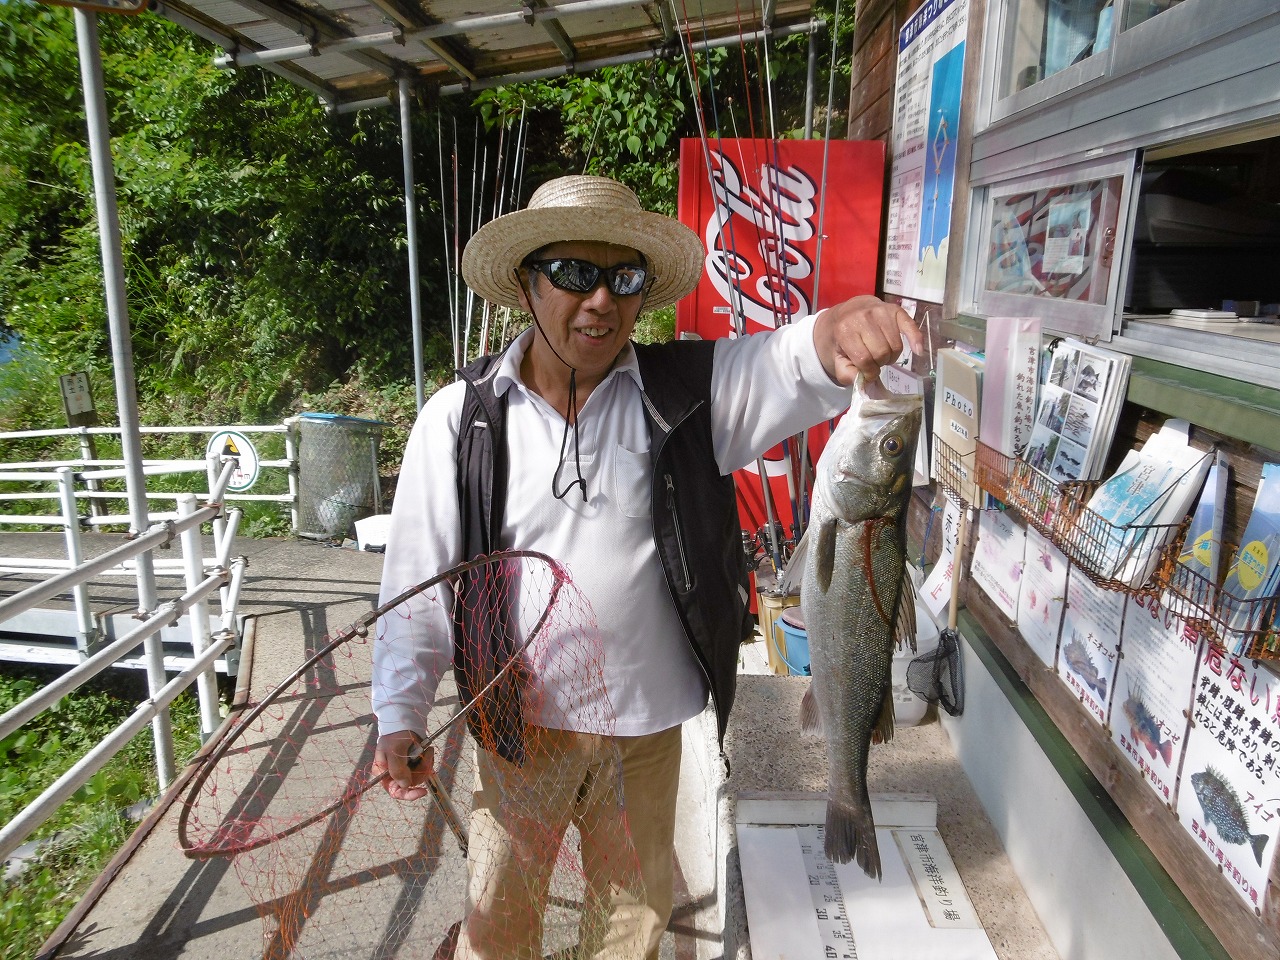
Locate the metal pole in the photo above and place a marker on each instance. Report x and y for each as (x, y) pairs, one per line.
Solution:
(104, 188)
(411, 229)
(810, 80)
(88, 633)
(198, 618)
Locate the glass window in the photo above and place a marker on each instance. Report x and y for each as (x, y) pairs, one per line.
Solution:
(1047, 36)
(1048, 247)
(1140, 11)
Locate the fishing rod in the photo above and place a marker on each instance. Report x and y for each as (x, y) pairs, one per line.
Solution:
(737, 314)
(444, 225)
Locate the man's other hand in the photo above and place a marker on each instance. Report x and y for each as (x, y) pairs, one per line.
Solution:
(397, 755)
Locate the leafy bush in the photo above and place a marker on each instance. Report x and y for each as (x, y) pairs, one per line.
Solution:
(86, 831)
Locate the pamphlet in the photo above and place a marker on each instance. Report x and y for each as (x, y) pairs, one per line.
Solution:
(1202, 547)
(1255, 569)
(1079, 404)
(1009, 383)
(1143, 503)
(955, 420)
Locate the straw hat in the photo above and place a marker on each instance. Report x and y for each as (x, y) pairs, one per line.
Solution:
(580, 208)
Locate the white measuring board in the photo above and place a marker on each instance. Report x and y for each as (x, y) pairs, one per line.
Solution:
(801, 906)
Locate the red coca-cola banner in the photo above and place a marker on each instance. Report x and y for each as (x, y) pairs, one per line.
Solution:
(758, 206)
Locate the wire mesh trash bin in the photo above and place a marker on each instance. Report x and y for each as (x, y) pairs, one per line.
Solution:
(337, 473)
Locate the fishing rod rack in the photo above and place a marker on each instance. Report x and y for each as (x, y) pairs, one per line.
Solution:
(1104, 550)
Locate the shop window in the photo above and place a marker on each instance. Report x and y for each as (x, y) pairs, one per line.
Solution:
(1140, 11)
(1046, 37)
(1207, 230)
(1048, 247)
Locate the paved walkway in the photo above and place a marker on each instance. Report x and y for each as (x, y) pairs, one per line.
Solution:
(157, 904)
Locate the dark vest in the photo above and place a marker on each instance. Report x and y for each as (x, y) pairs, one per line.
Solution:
(695, 524)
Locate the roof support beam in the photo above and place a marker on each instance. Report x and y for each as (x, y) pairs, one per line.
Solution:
(446, 89)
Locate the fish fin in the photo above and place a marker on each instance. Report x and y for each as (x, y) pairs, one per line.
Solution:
(825, 552)
(810, 716)
(1101, 687)
(904, 630)
(793, 572)
(1258, 841)
(883, 731)
(851, 835)
(1166, 752)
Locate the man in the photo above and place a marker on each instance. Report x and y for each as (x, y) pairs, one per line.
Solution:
(615, 460)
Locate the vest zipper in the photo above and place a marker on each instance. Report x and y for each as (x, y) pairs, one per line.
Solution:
(675, 523)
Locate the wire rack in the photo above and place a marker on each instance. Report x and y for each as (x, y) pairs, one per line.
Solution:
(954, 472)
(1137, 559)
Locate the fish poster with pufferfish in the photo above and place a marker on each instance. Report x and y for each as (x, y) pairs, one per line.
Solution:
(1229, 791)
(1153, 691)
(1090, 643)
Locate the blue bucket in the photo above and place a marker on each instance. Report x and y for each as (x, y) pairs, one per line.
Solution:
(794, 649)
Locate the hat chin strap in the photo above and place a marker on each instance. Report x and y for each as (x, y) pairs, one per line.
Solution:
(573, 407)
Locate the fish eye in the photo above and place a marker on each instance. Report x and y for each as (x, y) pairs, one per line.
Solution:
(892, 445)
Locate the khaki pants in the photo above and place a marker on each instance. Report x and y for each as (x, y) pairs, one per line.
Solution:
(521, 814)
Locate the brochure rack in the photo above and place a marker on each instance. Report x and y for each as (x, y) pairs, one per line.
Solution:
(954, 472)
(1100, 548)
(1060, 513)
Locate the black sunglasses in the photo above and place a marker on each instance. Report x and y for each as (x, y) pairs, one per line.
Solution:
(581, 276)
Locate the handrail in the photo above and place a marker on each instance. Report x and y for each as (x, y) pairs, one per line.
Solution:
(54, 691)
(226, 578)
(40, 809)
(159, 535)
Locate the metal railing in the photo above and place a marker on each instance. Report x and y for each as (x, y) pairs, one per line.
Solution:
(225, 578)
(90, 472)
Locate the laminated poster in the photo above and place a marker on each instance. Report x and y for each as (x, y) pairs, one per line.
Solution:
(1229, 793)
(1091, 642)
(997, 560)
(1043, 595)
(926, 133)
(1153, 691)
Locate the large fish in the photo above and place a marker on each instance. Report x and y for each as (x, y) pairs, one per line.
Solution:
(857, 602)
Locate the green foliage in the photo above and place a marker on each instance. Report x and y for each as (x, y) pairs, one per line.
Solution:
(87, 829)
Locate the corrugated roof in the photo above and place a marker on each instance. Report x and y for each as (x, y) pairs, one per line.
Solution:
(353, 51)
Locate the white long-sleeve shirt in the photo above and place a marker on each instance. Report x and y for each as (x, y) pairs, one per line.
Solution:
(763, 388)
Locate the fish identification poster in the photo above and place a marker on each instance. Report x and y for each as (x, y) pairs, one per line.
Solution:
(1153, 691)
(1042, 597)
(1090, 645)
(926, 129)
(1229, 793)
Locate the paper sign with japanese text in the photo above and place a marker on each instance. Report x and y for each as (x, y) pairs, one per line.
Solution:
(1090, 642)
(1229, 792)
(1153, 692)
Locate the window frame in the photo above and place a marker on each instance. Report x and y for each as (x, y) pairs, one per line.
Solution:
(1086, 320)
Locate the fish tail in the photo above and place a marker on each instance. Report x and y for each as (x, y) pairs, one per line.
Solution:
(1166, 751)
(1258, 840)
(851, 835)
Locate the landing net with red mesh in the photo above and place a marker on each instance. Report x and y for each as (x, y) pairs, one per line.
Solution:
(336, 866)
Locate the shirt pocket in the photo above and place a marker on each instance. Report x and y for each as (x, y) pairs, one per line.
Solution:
(631, 482)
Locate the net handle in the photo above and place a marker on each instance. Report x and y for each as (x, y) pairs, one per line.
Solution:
(357, 628)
